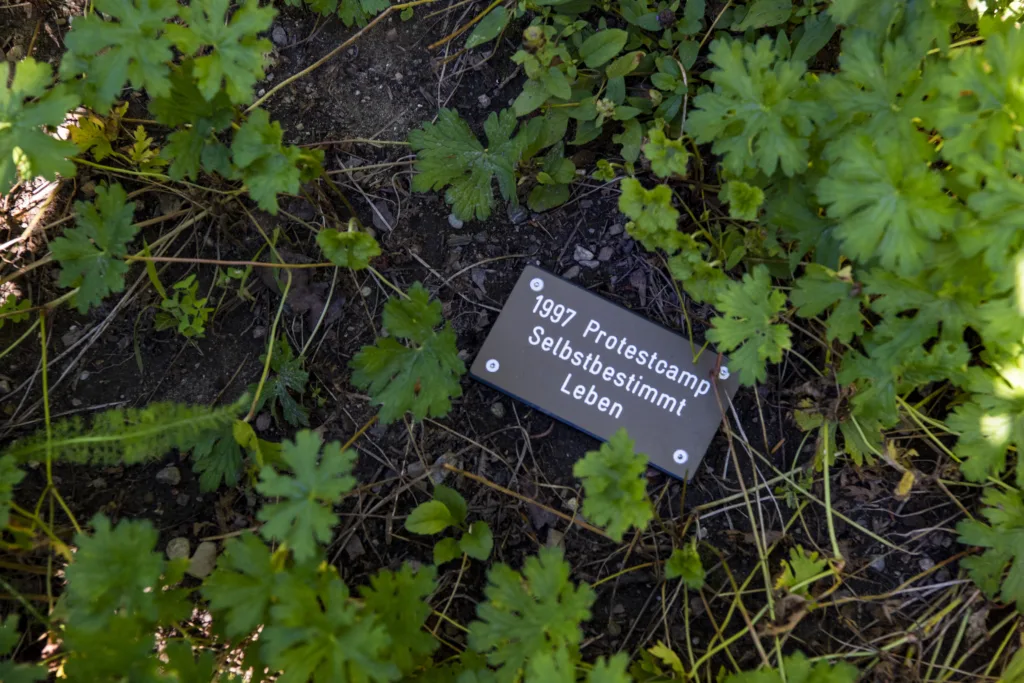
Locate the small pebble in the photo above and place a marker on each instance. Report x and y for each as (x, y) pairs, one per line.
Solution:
(279, 36)
(926, 563)
(169, 475)
(615, 229)
(590, 264)
(878, 564)
(556, 539)
(582, 254)
(498, 410)
(262, 422)
(572, 273)
(354, 548)
(455, 222)
(204, 559)
(182, 499)
(178, 548)
(76, 402)
(605, 254)
(484, 101)
(586, 204)
(399, 77)
(365, 292)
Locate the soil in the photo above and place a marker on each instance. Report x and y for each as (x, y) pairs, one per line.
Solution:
(384, 86)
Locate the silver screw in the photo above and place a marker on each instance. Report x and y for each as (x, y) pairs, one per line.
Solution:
(492, 365)
(536, 284)
(681, 456)
(723, 372)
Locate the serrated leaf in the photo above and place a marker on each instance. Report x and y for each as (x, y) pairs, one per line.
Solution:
(288, 376)
(611, 669)
(818, 31)
(602, 46)
(528, 614)
(27, 151)
(685, 564)
(10, 672)
(320, 635)
(478, 541)
(90, 253)
(668, 657)
(801, 567)
(615, 483)
(744, 200)
(303, 516)
(449, 155)
(668, 157)
(90, 135)
(350, 249)
(890, 206)
(421, 378)
(820, 289)
(10, 307)
(241, 588)
(761, 113)
(229, 53)
(651, 212)
(217, 459)
(489, 28)
(399, 599)
(268, 167)
(131, 46)
(999, 570)
(185, 667)
(431, 517)
(748, 327)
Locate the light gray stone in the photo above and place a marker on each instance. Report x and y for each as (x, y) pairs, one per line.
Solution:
(203, 560)
(178, 548)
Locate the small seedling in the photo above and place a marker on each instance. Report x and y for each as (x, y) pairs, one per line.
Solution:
(449, 509)
(184, 310)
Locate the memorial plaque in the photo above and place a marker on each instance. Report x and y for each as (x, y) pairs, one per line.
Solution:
(600, 367)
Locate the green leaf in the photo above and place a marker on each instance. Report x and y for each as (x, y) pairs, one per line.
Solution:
(132, 46)
(668, 156)
(624, 65)
(748, 326)
(422, 377)
(268, 167)
(10, 672)
(528, 614)
(288, 376)
(449, 155)
(90, 253)
(10, 307)
(27, 151)
(454, 501)
(228, 53)
(241, 588)
(685, 564)
(556, 83)
(822, 288)
(801, 567)
(399, 600)
(317, 633)
(488, 28)
(217, 459)
(446, 550)
(350, 249)
(612, 669)
(890, 206)
(762, 13)
(818, 31)
(303, 516)
(630, 138)
(551, 667)
(761, 113)
(653, 217)
(431, 517)
(10, 477)
(546, 197)
(799, 669)
(744, 200)
(191, 146)
(615, 482)
(534, 94)
(478, 541)
(602, 46)
(185, 668)
(1003, 538)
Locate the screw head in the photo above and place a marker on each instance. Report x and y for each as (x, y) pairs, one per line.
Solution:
(681, 456)
(723, 372)
(492, 365)
(536, 284)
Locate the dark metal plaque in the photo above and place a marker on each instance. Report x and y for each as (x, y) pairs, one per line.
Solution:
(600, 367)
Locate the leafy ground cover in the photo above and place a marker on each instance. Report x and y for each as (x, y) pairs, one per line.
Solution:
(241, 283)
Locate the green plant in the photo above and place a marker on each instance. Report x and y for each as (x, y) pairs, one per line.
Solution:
(615, 482)
(184, 310)
(449, 509)
(287, 376)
